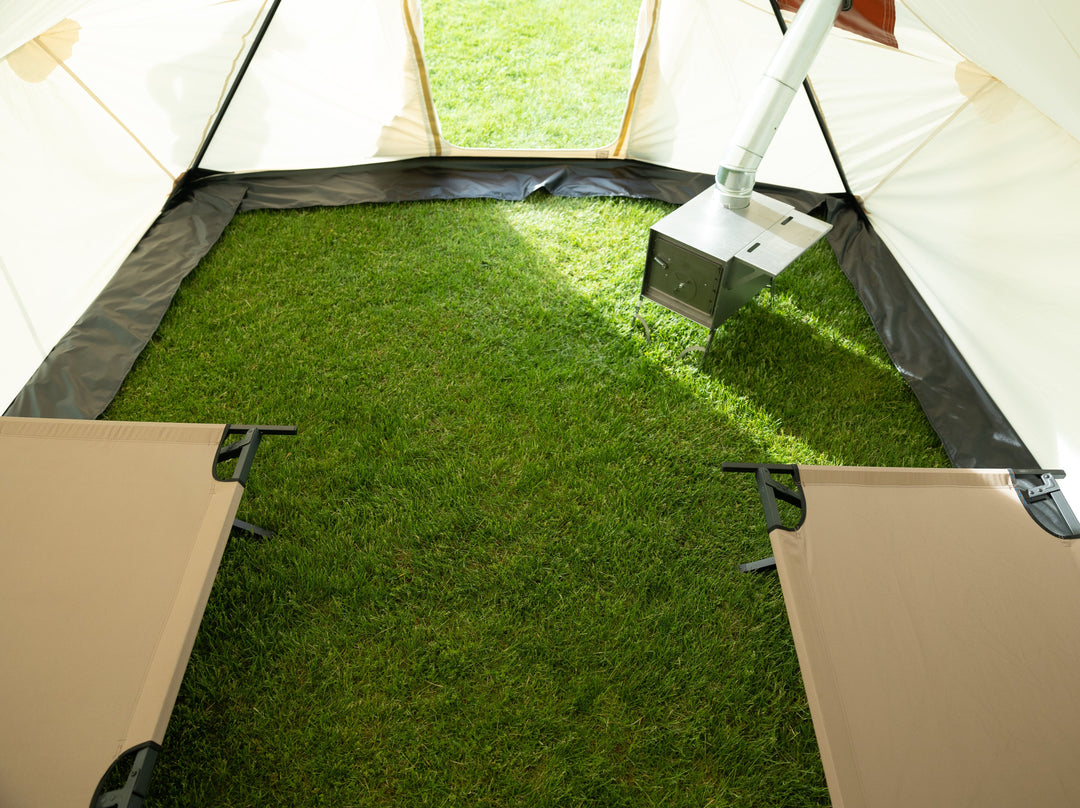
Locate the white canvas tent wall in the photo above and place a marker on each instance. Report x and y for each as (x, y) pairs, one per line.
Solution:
(956, 125)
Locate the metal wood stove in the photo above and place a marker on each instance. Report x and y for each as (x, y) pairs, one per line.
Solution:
(705, 260)
(713, 254)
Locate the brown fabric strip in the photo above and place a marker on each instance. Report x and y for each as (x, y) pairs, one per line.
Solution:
(873, 19)
(938, 631)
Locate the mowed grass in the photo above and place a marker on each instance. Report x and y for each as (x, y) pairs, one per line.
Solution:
(505, 568)
(548, 74)
(505, 565)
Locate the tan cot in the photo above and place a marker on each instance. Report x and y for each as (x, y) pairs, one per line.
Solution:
(937, 627)
(110, 539)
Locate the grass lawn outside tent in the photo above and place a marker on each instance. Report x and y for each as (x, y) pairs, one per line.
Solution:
(505, 565)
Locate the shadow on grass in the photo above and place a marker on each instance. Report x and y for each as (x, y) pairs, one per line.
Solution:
(505, 565)
(829, 393)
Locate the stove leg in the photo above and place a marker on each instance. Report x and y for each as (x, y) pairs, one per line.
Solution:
(704, 349)
(641, 320)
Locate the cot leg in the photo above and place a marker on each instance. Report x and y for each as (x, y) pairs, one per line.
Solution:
(133, 792)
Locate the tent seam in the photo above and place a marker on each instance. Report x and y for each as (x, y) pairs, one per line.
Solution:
(622, 142)
(228, 78)
(1058, 26)
(60, 62)
(425, 83)
(990, 81)
(22, 308)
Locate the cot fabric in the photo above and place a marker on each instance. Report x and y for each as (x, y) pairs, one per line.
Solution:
(938, 631)
(110, 541)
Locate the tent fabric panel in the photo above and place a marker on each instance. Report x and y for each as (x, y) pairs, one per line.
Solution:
(112, 535)
(22, 351)
(701, 67)
(301, 106)
(91, 151)
(83, 372)
(994, 261)
(78, 195)
(881, 113)
(163, 69)
(1033, 48)
(937, 148)
(936, 627)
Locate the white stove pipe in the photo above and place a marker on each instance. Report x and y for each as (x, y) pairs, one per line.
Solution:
(787, 71)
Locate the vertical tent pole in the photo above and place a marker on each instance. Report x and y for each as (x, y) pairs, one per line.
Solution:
(232, 89)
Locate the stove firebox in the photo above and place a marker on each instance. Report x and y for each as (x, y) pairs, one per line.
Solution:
(706, 260)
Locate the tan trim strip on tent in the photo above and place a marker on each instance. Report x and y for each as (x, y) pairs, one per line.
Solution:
(425, 84)
(37, 41)
(622, 141)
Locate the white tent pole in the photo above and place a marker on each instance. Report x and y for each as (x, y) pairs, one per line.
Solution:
(773, 96)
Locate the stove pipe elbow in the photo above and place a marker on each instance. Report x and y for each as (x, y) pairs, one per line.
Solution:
(787, 71)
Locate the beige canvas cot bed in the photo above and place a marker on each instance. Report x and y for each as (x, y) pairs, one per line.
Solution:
(110, 539)
(937, 626)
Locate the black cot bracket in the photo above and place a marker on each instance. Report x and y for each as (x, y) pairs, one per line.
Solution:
(1045, 501)
(243, 452)
(771, 493)
(240, 526)
(770, 490)
(133, 793)
(761, 565)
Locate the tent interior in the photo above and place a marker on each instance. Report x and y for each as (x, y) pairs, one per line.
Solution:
(938, 118)
(134, 133)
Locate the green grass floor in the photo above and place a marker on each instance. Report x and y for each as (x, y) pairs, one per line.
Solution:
(505, 565)
(547, 74)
